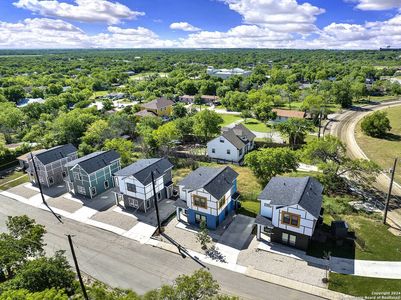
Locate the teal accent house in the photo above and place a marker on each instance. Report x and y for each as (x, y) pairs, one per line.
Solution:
(92, 174)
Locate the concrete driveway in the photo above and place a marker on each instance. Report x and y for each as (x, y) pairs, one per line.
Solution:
(237, 235)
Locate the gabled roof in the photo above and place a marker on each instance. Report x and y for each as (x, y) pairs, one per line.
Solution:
(55, 153)
(289, 113)
(241, 131)
(94, 161)
(286, 191)
(216, 181)
(145, 113)
(230, 136)
(158, 103)
(142, 169)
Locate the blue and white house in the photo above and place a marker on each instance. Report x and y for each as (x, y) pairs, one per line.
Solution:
(208, 194)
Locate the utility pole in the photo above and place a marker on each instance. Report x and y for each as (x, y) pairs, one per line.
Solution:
(320, 124)
(156, 204)
(77, 268)
(41, 191)
(389, 191)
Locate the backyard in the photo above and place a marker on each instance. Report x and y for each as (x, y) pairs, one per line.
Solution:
(251, 123)
(13, 179)
(384, 150)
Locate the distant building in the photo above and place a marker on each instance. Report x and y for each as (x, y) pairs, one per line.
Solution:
(232, 144)
(92, 174)
(206, 99)
(26, 101)
(161, 107)
(50, 164)
(207, 194)
(285, 114)
(226, 73)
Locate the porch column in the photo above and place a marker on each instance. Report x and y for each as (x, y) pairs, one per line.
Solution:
(178, 213)
(258, 230)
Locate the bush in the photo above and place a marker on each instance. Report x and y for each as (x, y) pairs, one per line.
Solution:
(376, 124)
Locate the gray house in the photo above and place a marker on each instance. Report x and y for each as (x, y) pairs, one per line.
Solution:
(92, 174)
(50, 164)
(134, 183)
(289, 210)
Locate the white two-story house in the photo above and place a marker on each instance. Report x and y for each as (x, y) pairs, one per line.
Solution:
(289, 210)
(208, 194)
(134, 189)
(232, 144)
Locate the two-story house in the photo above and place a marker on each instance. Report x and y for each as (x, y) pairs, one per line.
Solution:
(161, 107)
(208, 194)
(50, 164)
(134, 183)
(289, 210)
(92, 174)
(232, 144)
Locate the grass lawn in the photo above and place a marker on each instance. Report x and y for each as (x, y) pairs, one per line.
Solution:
(228, 119)
(364, 286)
(98, 94)
(6, 184)
(383, 151)
(255, 125)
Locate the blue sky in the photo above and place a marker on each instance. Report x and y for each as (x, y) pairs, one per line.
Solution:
(349, 24)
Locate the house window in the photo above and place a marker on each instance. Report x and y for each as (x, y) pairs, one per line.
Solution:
(199, 201)
(93, 191)
(284, 238)
(64, 174)
(292, 240)
(240, 151)
(290, 219)
(51, 180)
(266, 204)
(228, 151)
(133, 202)
(147, 203)
(77, 176)
(221, 140)
(131, 187)
(213, 150)
(222, 201)
(199, 218)
(106, 184)
(81, 190)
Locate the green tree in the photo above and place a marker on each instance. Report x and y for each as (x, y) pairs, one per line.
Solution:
(203, 235)
(263, 111)
(11, 119)
(207, 123)
(21, 294)
(179, 111)
(96, 135)
(166, 135)
(246, 114)
(14, 93)
(376, 124)
(235, 101)
(43, 273)
(341, 91)
(269, 162)
(295, 129)
(314, 104)
(184, 127)
(54, 89)
(107, 104)
(358, 90)
(123, 147)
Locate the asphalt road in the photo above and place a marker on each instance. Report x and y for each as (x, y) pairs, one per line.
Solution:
(124, 263)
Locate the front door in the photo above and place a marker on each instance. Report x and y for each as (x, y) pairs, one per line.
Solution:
(169, 191)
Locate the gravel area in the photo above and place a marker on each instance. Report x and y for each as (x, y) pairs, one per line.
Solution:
(115, 219)
(64, 204)
(281, 265)
(184, 237)
(22, 191)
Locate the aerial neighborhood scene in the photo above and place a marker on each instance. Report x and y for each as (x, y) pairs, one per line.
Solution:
(200, 150)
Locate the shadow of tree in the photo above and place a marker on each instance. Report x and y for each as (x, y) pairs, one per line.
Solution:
(215, 254)
(392, 137)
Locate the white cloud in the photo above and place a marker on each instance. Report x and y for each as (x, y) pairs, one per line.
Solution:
(185, 26)
(282, 16)
(376, 4)
(84, 10)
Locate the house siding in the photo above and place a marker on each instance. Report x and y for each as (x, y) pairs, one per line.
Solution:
(221, 150)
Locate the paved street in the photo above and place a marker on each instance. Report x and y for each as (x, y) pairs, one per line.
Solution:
(122, 262)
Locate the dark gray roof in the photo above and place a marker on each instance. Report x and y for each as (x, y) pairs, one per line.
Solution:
(216, 181)
(55, 153)
(94, 161)
(142, 169)
(241, 131)
(286, 191)
(230, 136)
(158, 103)
(180, 203)
(261, 220)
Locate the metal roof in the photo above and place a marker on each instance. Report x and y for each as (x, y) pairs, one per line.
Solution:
(94, 161)
(55, 153)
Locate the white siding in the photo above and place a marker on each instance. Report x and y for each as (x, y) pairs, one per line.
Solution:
(265, 209)
(307, 223)
(142, 192)
(221, 150)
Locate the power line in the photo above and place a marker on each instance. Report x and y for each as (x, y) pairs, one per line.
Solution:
(81, 282)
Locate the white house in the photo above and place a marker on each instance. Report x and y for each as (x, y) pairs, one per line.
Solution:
(226, 73)
(289, 210)
(134, 183)
(208, 194)
(232, 144)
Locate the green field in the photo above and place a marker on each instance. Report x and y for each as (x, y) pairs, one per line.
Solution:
(364, 286)
(383, 151)
(251, 124)
(13, 179)
(228, 119)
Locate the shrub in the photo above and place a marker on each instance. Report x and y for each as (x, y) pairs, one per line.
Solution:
(376, 124)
